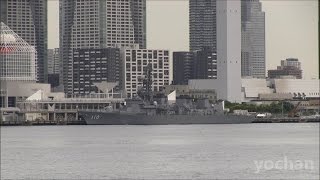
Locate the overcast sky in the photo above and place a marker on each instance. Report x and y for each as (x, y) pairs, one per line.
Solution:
(291, 29)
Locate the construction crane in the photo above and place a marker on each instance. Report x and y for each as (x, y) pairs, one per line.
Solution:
(293, 112)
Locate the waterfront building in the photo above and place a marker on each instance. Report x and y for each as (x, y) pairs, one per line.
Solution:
(202, 24)
(92, 66)
(258, 89)
(183, 67)
(289, 67)
(253, 61)
(279, 89)
(28, 19)
(98, 24)
(135, 64)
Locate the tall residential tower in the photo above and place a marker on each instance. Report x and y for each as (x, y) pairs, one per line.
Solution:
(29, 20)
(126, 23)
(202, 24)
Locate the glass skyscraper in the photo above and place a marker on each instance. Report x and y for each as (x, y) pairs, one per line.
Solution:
(253, 60)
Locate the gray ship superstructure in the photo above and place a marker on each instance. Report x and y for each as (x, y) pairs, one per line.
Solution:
(136, 112)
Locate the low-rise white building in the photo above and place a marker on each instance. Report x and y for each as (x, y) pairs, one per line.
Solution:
(267, 89)
(299, 88)
(253, 87)
(279, 89)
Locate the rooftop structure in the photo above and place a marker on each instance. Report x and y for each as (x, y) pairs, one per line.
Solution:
(289, 67)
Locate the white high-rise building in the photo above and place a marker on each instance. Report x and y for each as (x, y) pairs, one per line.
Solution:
(229, 50)
(228, 82)
(135, 63)
(17, 57)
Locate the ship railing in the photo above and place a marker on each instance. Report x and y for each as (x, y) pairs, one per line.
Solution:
(69, 100)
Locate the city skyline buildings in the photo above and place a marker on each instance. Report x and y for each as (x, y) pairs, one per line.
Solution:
(29, 20)
(287, 22)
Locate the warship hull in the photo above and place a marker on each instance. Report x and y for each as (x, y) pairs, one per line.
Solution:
(114, 118)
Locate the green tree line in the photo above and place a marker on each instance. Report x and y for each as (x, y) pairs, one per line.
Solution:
(274, 108)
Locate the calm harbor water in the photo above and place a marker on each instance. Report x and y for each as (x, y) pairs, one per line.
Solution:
(256, 151)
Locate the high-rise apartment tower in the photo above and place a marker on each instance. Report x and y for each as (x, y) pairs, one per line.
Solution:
(202, 24)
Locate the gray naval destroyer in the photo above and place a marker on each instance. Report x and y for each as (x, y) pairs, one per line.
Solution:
(149, 110)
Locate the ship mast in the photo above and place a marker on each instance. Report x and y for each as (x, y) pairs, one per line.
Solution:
(146, 92)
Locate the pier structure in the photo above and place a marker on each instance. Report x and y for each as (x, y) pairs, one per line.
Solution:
(64, 110)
